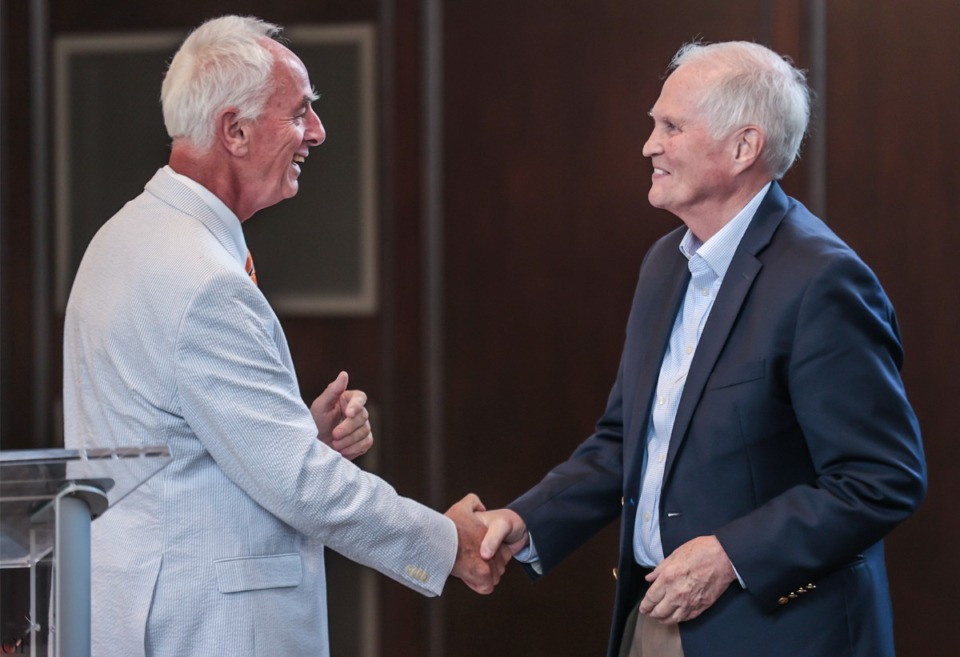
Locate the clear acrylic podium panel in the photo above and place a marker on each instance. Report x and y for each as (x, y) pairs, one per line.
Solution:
(31, 479)
(33, 483)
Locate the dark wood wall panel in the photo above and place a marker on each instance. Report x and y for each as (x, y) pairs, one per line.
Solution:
(16, 276)
(894, 194)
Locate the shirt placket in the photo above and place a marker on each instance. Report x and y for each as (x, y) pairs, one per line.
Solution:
(673, 376)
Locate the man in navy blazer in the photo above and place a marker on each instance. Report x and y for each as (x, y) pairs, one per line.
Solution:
(757, 444)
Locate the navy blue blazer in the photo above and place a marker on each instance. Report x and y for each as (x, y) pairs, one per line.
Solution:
(794, 444)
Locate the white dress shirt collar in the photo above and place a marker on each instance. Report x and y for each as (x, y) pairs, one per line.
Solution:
(226, 216)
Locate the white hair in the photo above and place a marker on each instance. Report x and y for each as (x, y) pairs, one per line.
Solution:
(222, 64)
(755, 86)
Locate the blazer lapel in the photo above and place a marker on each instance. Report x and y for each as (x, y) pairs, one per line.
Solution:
(736, 285)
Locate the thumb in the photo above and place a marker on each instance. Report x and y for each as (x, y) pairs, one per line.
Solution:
(331, 394)
(497, 530)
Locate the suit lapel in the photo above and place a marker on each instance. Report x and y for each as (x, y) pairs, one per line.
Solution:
(737, 282)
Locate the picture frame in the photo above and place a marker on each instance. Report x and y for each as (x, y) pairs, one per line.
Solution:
(316, 253)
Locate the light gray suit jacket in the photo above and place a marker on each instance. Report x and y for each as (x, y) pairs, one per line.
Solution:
(167, 340)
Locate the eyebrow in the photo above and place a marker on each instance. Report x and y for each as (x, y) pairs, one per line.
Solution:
(307, 100)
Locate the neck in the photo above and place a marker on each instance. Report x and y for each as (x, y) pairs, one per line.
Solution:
(212, 170)
(708, 221)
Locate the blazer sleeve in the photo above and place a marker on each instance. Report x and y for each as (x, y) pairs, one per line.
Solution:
(243, 403)
(862, 437)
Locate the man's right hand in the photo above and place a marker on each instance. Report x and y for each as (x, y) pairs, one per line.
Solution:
(505, 529)
(481, 574)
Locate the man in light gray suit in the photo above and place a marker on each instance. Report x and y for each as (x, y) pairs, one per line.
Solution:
(169, 340)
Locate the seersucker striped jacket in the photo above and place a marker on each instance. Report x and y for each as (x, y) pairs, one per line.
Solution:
(168, 341)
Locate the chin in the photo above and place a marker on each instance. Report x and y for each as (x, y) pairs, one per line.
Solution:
(291, 190)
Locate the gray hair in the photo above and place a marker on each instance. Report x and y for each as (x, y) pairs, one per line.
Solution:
(756, 86)
(223, 63)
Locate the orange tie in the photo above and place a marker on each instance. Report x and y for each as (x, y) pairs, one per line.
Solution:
(251, 270)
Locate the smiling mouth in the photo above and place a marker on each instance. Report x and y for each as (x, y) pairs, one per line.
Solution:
(299, 159)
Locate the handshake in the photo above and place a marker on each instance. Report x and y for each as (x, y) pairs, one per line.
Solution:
(486, 541)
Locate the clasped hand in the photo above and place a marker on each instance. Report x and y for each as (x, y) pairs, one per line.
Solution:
(486, 541)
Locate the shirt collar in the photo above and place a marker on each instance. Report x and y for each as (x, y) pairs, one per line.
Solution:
(718, 251)
(226, 216)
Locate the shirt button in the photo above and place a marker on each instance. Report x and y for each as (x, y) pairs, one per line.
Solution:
(689, 349)
(661, 458)
(706, 291)
(646, 517)
(661, 400)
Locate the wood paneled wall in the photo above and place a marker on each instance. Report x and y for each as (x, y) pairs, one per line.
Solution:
(545, 219)
(894, 194)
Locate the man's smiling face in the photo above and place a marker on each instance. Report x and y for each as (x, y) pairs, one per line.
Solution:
(280, 139)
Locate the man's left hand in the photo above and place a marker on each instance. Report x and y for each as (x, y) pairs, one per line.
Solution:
(342, 420)
(688, 581)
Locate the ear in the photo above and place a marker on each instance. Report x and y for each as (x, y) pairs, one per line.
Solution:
(748, 144)
(233, 133)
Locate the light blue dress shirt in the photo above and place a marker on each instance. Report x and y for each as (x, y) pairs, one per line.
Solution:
(708, 263)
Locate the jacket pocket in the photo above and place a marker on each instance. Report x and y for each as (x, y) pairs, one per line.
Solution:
(275, 571)
(737, 374)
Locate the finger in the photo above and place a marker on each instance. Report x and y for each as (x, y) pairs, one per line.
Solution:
(352, 402)
(661, 611)
(653, 597)
(499, 561)
(351, 425)
(355, 438)
(481, 578)
(673, 619)
(483, 588)
(472, 502)
(506, 554)
(357, 449)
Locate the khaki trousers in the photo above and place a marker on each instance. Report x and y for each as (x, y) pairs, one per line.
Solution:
(646, 637)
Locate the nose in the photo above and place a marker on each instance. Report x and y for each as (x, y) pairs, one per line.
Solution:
(314, 135)
(652, 146)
